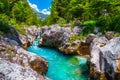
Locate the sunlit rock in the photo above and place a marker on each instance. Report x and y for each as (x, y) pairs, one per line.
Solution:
(12, 71)
(105, 59)
(16, 55)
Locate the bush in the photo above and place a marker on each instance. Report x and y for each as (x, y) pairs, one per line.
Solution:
(89, 26)
(61, 21)
(109, 23)
(4, 26)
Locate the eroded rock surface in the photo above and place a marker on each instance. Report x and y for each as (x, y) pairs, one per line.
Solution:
(13, 55)
(55, 36)
(58, 37)
(105, 56)
(31, 34)
(12, 71)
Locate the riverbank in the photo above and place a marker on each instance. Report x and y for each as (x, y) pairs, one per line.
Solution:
(98, 49)
(18, 64)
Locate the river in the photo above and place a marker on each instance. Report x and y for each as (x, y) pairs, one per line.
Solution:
(62, 67)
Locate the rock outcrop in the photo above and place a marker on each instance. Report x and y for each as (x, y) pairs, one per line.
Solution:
(31, 34)
(25, 40)
(55, 36)
(11, 71)
(109, 35)
(19, 62)
(84, 46)
(14, 35)
(84, 49)
(105, 59)
(70, 48)
(58, 37)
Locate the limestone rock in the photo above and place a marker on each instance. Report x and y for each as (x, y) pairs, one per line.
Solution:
(11, 71)
(70, 48)
(84, 49)
(14, 35)
(77, 29)
(96, 44)
(31, 34)
(90, 38)
(15, 55)
(55, 36)
(104, 59)
(109, 35)
(111, 59)
(58, 37)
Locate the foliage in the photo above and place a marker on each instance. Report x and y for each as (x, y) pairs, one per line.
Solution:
(105, 13)
(89, 26)
(4, 27)
(61, 21)
(17, 13)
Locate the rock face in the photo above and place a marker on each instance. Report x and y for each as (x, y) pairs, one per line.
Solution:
(24, 40)
(109, 35)
(14, 36)
(84, 46)
(58, 37)
(84, 49)
(11, 71)
(28, 65)
(77, 30)
(90, 38)
(105, 59)
(70, 48)
(31, 34)
(55, 36)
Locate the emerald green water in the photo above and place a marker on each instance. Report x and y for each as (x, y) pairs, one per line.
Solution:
(62, 67)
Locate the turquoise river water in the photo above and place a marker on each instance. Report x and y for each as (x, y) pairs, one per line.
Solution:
(62, 67)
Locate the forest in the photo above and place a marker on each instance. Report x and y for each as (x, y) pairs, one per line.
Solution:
(103, 14)
(17, 13)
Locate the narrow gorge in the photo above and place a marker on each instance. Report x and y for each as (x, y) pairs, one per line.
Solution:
(59, 40)
(57, 58)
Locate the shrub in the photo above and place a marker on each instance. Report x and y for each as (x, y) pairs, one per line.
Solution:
(89, 26)
(61, 21)
(4, 26)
